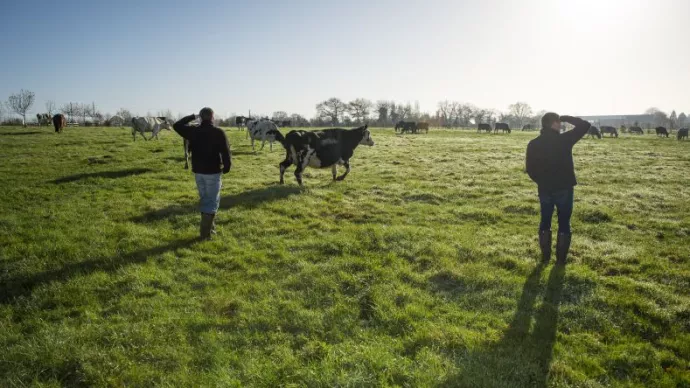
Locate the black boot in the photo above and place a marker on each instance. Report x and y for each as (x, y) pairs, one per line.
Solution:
(562, 247)
(206, 225)
(545, 244)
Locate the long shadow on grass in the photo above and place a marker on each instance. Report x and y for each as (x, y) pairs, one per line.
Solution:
(20, 133)
(521, 358)
(103, 174)
(244, 199)
(23, 285)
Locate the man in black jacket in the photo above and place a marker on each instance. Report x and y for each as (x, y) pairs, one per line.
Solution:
(550, 165)
(210, 148)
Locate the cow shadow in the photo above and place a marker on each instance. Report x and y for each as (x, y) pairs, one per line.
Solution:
(245, 199)
(103, 174)
(24, 285)
(20, 133)
(520, 358)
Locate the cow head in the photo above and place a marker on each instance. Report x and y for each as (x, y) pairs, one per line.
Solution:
(366, 136)
(165, 124)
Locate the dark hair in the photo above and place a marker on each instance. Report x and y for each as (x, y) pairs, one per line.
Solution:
(548, 119)
(206, 113)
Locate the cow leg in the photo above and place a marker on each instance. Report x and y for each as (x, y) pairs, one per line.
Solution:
(334, 171)
(347, 170)
(270, 146)
(263, 143)
(253, 149)
(284, 165)
(134, 135)
(142, 135)
(298, 172)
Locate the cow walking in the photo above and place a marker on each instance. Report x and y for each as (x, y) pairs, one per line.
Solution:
(322, 149)
(149, 124)
(484, 127)
(682, 134)
(612, 131)
(502, 126)
(59, 122)
(264, 130)
(661, 131)
(594, 132)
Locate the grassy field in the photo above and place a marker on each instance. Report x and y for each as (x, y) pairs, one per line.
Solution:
(421, 269)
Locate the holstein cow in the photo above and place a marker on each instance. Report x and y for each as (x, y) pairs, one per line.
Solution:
(43, 118)
(322, 149)
(264, 130)
(502, 126)
(594, 131)
(423, 126)
(484, 127)
(149, 124)
(636, 130)
(682, 134)
(59, 122)
(612, 131)
(661, 131)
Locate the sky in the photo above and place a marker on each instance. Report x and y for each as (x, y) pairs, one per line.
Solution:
(583, 57)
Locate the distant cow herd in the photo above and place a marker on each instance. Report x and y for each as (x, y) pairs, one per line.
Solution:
(411, 127)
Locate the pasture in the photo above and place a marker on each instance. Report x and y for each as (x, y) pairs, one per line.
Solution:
(420, 269)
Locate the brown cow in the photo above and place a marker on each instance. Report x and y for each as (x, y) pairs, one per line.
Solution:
(423, 126)
(59, 122)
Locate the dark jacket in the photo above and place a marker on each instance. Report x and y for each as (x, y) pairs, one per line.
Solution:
(209, 146)
(550, 156)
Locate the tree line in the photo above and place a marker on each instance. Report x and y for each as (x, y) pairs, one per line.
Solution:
(330, 112)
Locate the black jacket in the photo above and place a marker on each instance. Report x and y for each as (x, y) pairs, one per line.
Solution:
(550, 156)
(209, 146)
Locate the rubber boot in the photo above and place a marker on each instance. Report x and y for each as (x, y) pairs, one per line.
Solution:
(562, 247)
(213, 224)
(206, 225)
(545, 244)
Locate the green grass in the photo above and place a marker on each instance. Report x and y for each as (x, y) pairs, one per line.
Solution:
(420, 269)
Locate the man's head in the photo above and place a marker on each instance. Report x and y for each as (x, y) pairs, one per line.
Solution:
(551, 121)
(206, 114)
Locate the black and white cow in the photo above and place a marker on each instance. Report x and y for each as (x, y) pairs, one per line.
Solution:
(682, 134)
(484, 127)
(502, 126)
(264, 130)
(240, 122)
(661, 131)
(636, 130)
(612, 131)
(322, 149)
(149, 124)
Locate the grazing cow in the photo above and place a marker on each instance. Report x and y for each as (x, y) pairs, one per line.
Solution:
(682, 134)
(636, 130)
(661, 131)
(409, 126)
(59, 122)
(149, 124)
(502, 126)
(423, 126)
(240, 122)
(264, 130)
(594, 132)
(484, 127)
(527, 127)
(322, 149)
(612, 131)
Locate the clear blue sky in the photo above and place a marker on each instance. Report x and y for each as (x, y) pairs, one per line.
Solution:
(577, 57)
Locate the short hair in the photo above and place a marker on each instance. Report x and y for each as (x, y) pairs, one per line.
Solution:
(548, 119)
(206, 114)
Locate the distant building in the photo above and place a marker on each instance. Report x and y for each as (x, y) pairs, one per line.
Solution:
(644, 121)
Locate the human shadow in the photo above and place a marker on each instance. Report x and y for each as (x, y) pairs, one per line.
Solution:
(245, 199)
(102, 174)
(23, 285)
(20, 133)
(520, 358)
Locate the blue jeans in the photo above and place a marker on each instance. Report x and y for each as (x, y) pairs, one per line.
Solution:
(209, 192)
(563, 201)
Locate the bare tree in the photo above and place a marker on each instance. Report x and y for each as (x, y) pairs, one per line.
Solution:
(298, 120)
(465, 112)
(673, 120)
(682, 119)
(445, 112)
(50, 107)
(21, 102)
(333, 109)
(521, 110)
(125, 114)
(382, 111)
(280, 115)
(2, 111)
(359, 109)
